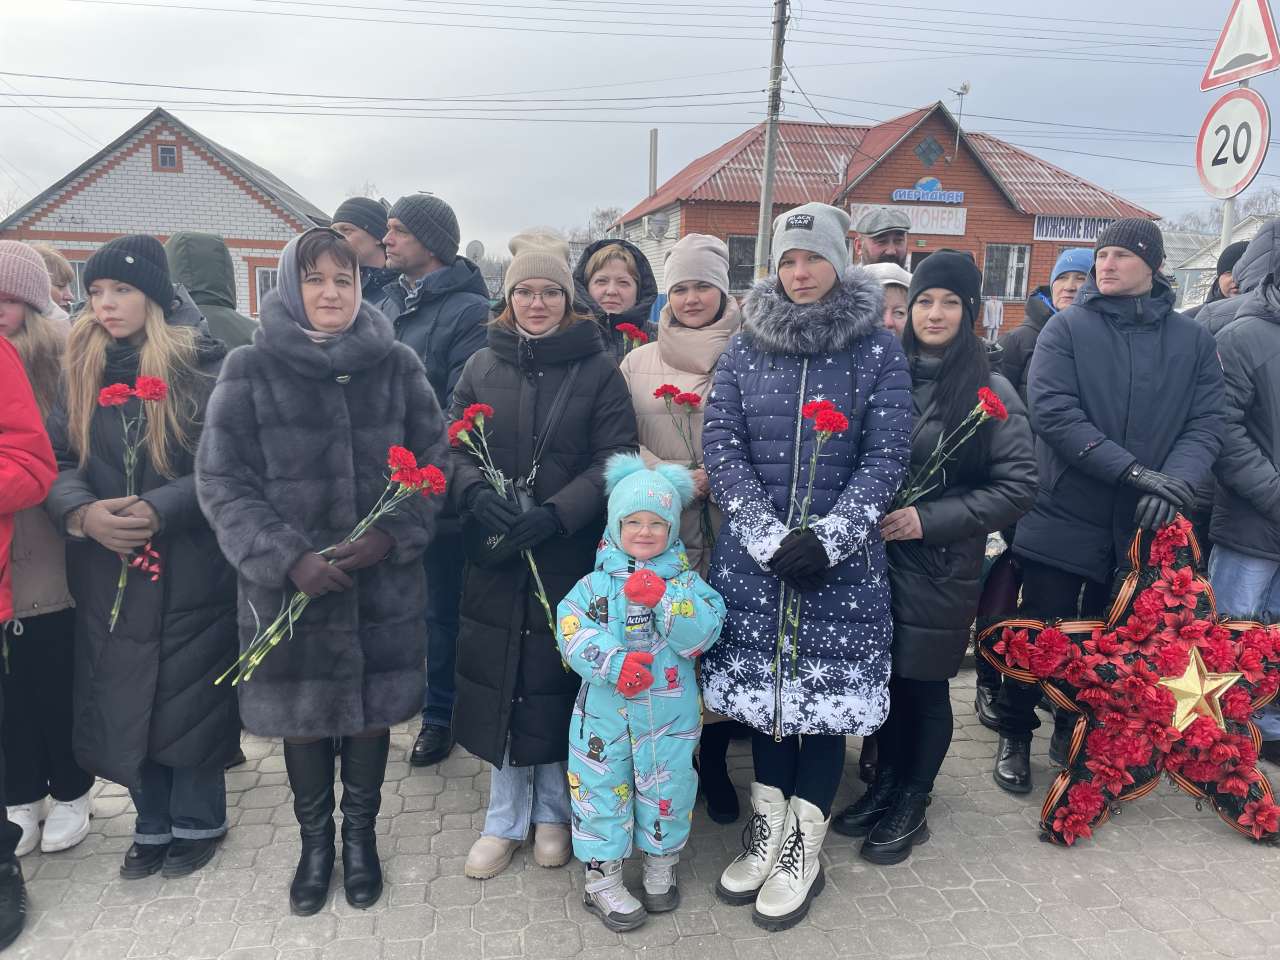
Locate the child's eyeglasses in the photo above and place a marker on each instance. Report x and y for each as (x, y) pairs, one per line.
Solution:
(637, 526)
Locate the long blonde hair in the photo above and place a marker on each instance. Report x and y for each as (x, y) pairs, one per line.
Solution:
(167, 352)
(40, 344)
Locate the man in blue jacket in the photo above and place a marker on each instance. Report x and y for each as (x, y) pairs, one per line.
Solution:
(440, 308)
(1126, 400)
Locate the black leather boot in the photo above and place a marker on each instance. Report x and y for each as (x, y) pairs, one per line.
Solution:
(13, 903)
(1060, 743)
(364, 764)
(984, 705)
(1013, 765)
(868, 757)
(861, 816)
(310, 767)
(902, 828)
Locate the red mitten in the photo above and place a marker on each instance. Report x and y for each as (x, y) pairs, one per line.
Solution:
(635, 679)
(645, 588)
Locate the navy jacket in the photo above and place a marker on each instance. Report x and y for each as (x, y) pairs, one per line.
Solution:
(1114, 380)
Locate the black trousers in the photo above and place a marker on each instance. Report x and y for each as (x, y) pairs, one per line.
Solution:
(917, 734)
(37, 710)
(808, 767)
(1048, 593)
(10, 833)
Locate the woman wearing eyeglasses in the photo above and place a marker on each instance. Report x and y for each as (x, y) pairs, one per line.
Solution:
(560, 410)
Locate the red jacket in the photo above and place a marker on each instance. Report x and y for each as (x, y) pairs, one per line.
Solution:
(27, 467)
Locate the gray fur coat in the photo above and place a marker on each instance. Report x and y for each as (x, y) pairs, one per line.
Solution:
(294, 454)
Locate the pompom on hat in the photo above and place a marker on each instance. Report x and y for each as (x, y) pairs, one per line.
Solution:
(665, 490)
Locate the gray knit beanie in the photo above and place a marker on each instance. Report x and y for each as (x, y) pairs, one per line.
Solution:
(432, 221)
(539, 254)
(698, 257)
(816, 227)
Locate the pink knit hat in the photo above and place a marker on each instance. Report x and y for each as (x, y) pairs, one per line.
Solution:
(23, 275)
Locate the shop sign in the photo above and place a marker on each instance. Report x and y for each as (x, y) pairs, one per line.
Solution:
(935, 221)
(927, 190)
(1085, 229)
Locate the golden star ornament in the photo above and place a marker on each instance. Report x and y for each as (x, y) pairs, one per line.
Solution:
(1197, 692)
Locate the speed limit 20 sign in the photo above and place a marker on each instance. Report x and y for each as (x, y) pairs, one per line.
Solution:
(1233, 143)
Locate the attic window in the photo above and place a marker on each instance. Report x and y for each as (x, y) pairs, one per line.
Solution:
(166, 158)
(929, 151)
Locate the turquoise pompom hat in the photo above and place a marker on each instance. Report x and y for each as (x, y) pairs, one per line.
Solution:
(664, 490)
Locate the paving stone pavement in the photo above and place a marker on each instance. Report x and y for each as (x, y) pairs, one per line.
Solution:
(1162, 880)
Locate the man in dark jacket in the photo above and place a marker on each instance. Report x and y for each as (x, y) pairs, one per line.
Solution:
(202, 263)
(440, 308)
(1244, 567)
(363, 222)
(1126, 400)
(1225, 285)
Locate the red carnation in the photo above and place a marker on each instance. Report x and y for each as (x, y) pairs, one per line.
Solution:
(645, 588)
(1071, 826)
(815, 407)
(477, 412)
(432, 480)
(1049, 651)
(151, 389)
(400, 458)
(632, 332)
(667, 390)
(830, 422)
(1086, 799)
(456, 431)
(116, 395)
(1236, 704)
(991, 404)
(687, 400)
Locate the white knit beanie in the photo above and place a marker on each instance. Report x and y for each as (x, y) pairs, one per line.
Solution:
(816, 227)
(698, 257)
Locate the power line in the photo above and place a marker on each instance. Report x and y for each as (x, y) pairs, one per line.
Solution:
(423, 100)
(1011, 16)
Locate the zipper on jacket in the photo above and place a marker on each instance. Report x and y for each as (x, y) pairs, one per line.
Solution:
(782, 587)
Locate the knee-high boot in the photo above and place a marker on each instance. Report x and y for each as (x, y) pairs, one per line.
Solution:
(310, 767)
(364, 765)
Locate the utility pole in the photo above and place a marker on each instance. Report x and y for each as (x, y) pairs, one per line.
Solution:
(765, 225)
(1229, 211)
(653, 161)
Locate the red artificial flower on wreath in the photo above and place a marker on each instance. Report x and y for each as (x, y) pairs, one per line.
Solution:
(150, 389)
(992, 405)
(687, 400)
(457, 429)
(116, 395)
(666, 390)
(814, 407)
(830, 422)
(1115, 674)
(645, 588)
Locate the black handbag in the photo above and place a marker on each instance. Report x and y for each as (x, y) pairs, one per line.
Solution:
(481, 545)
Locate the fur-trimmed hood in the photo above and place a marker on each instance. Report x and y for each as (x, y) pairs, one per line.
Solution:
(853, 309)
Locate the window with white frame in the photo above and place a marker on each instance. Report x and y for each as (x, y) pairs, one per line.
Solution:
(167, 157)
(264, 281)
(77, 285)
(1005, 274)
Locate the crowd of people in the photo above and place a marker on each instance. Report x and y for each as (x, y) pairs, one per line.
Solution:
(653, 536)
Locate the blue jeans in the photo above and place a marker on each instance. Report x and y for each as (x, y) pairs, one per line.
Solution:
(1247, 587)
(182, 803)
(519, 796)
(443, 563)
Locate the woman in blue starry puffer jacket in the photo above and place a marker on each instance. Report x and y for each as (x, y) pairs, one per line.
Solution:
(811, 331)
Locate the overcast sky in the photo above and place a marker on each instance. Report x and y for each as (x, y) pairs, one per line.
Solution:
(502, 175)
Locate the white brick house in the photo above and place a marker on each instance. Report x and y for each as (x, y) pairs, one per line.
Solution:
(161, 177)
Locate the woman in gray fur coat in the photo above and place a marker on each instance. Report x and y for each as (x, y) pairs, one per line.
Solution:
(293, 455)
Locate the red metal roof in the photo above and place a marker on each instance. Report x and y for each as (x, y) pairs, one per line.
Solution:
(816, 161)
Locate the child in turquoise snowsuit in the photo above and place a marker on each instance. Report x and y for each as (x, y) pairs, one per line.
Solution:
(639, 714)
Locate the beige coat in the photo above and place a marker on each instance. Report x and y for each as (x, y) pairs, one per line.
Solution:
(39, 566)
(686, 358)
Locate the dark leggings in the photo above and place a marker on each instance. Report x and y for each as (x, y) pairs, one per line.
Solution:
(915, 738)
(808, 767)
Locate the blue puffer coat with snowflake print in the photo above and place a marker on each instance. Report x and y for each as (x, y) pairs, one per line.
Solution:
(757, 449)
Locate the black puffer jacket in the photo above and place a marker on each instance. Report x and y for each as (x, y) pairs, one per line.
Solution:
(146, 690)
(1017, 346)
(646, 293)
(510, 678)
(1250, 270)
(936, 581)
(293, 456)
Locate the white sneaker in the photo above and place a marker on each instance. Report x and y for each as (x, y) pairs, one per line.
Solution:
(67, 824)
(27, 816)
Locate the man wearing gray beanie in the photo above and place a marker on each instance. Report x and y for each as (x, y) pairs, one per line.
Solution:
(439, 305)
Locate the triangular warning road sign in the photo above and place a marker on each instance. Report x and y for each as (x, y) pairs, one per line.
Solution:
(1246, 48)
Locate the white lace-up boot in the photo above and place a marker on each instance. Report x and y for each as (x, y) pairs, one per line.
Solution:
(607, 897)
(761, 838)
(797, 875)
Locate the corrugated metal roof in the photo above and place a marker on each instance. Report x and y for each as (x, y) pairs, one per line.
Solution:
(816, 161)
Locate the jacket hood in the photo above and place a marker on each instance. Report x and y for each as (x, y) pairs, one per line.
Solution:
(1039, 308)
(365, 344)
(202, 263)
(696, 351)
(1260, 259)
(852, 309)
(1149, 308)
(580, 341)
(645, 295)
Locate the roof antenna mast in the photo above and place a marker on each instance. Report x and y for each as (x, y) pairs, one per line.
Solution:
(960, 93)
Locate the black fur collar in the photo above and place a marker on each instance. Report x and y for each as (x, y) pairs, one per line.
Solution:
(853, 309)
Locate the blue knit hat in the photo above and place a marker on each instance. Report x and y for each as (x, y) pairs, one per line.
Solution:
(1077, 259)
(665, 490)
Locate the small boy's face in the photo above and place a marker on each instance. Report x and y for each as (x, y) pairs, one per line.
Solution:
(644, 535)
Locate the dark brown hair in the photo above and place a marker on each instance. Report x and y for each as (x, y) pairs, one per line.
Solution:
(316, 243)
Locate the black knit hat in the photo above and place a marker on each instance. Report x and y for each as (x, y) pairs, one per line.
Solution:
(1230, 256)
(1138, 236)
(950, 270)
(136, 260)
(432, 221)
(367, 214)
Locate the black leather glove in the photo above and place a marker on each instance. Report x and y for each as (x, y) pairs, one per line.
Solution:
(315, 576)
(1154, 512)
(1175, 491)
(495, 513)
(532, 527)
(801, 561)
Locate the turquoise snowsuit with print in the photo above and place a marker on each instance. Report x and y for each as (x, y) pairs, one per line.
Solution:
(631, 777)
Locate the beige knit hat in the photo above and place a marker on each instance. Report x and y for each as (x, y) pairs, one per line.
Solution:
(23, 275)
(698, 256)
(541, 254)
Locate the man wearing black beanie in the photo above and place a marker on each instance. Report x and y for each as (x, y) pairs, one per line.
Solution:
(1126, 401)
(363, 222)
(439, 305)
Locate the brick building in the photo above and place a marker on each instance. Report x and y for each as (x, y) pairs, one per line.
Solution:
(968, 191)
(160, 177)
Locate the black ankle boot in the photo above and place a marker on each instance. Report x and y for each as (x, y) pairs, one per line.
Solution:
(984, 705)
(904, 826)
(722, 798)
(310, 767)
(1013, 765)
(860, 817)
(364, 764)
